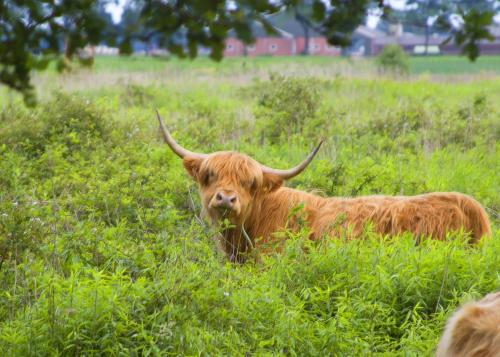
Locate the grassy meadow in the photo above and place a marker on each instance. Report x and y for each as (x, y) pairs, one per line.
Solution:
(102, 251)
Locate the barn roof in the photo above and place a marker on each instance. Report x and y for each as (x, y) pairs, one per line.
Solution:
(368, 32)
(495, 31)
(408, 39)
(286, 21)
(259, 31)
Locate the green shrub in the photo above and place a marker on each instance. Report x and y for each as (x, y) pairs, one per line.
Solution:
(393, 59)
(137, 95)
(69, 120)
(102, 251)
(286, 105)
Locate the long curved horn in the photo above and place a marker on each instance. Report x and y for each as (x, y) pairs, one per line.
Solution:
(179, 150)
(294, 171)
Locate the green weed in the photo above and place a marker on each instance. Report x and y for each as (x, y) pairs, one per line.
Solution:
(102, 250)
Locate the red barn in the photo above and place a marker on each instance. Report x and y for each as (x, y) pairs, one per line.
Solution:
(281, 44)
(290, 40)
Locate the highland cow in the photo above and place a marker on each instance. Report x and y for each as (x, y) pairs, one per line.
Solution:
(474, 330)
(251, 197)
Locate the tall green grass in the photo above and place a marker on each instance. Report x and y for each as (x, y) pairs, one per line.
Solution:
(431, 64)
(146, 63)
(101, 250)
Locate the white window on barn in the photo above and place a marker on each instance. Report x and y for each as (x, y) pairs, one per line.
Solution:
(251, 48)
(229, 47)
(273, 47)
(431, 49)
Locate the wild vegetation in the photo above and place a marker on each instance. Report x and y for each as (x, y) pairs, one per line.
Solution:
(102, 250)
(393, 59)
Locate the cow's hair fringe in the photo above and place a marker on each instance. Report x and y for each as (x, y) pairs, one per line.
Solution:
(474, 330)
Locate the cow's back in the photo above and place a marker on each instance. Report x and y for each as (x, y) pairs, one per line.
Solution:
(427, 215)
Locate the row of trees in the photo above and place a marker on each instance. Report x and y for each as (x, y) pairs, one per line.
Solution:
(35, 32)
(455, 17)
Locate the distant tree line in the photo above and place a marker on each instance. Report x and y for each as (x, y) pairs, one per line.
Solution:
(466, 21)
(36, 32)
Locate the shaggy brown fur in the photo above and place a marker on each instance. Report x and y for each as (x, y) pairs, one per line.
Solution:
(263, 206)
(474, 330)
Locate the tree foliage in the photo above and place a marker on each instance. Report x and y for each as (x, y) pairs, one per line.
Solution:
(33, 32)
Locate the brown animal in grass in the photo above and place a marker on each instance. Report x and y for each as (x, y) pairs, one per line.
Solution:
(250, 195)
(474, 330)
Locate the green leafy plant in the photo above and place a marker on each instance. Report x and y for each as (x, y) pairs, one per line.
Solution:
(286, 105)
(393, 59)
(103, 249)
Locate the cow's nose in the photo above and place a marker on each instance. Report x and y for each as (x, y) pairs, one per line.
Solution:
(225, 200)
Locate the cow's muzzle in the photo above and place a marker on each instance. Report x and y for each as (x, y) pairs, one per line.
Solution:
(224, 200)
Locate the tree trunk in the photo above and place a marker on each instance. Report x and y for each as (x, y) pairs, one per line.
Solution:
(426, 39)
(305, 28)
(305, 51)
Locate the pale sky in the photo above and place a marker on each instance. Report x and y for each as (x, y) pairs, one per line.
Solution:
(116, 10)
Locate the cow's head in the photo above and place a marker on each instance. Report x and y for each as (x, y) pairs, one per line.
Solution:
(473, 330)
(229, 182)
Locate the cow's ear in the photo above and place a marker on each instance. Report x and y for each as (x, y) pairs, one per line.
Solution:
(192, 165)
(271, 182)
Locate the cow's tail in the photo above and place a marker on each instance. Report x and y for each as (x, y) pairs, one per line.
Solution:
(478, 221)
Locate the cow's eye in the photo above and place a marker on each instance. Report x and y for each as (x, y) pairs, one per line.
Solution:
(250, 185)
(207, 177)
(253, 186)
